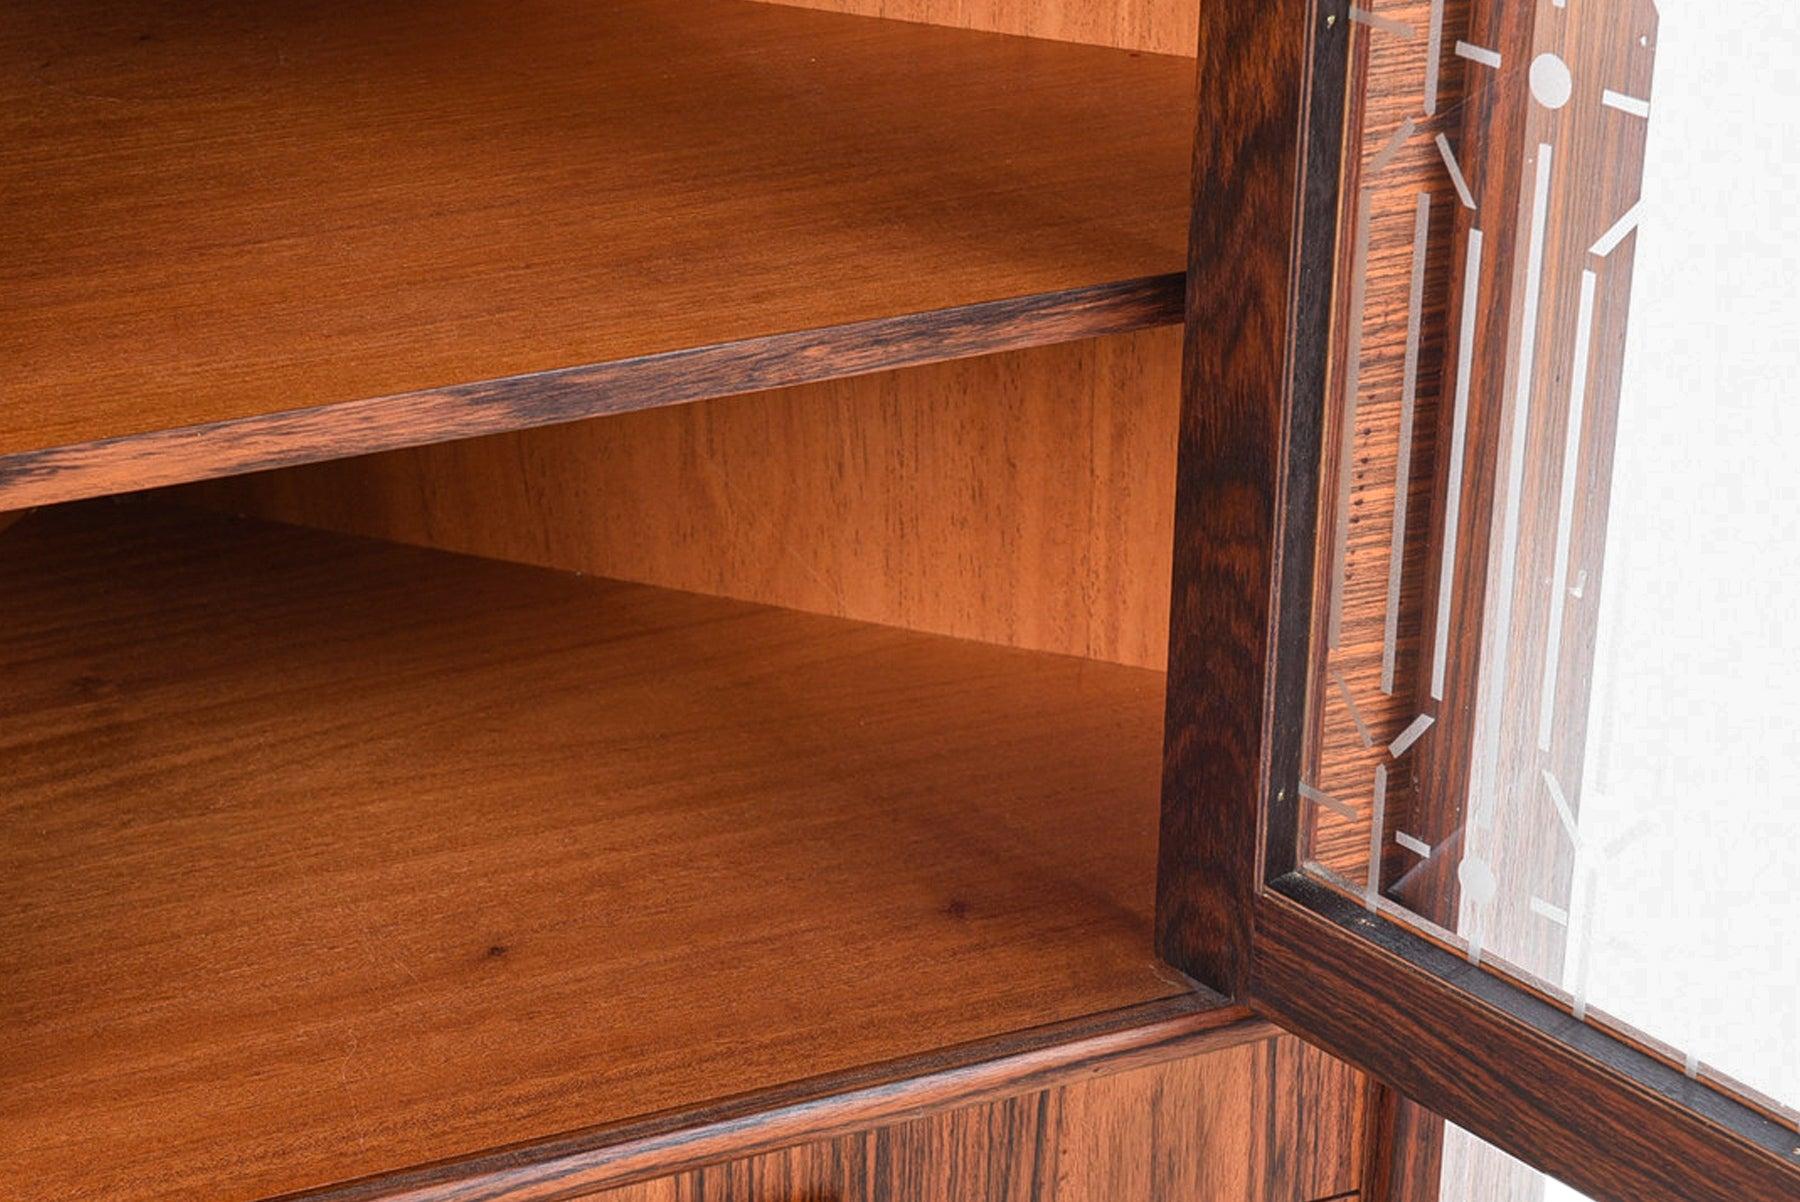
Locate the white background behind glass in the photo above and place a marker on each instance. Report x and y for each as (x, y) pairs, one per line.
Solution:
(1694, 734)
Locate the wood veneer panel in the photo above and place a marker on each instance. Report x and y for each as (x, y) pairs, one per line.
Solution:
(421, 209)
(1232, 1125)
(1024, 499)
(325, 857)
(661, 1150)
(1158, 26)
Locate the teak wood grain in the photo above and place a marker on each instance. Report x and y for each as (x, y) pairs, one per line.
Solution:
(1272, 1121)
(1025, 499)
(324, 857)
(211, 221)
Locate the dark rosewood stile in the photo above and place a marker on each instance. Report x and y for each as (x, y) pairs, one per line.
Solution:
(1265, 167)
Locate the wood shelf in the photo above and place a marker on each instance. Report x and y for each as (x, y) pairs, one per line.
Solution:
(323, 857)
(302, 232)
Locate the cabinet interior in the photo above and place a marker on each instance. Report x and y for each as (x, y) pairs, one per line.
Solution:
(382, 810)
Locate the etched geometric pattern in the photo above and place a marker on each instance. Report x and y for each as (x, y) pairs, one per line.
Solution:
(1491, 195)
(1488, 237)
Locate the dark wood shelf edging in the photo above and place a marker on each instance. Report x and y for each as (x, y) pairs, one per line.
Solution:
(836, 1104)
(159, 458)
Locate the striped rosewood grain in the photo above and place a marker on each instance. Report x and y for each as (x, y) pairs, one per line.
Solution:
(1269, 1121)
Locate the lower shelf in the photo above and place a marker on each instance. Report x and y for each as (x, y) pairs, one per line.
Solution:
(322, 857)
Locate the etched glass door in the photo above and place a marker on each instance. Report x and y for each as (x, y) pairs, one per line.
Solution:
(1557, 584)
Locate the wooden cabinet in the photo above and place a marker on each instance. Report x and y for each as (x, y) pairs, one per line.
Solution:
(585, 599)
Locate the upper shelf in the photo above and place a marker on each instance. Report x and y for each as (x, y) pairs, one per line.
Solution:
(304, 231)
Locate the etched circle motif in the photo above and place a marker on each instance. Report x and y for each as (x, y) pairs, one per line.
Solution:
(1478, 882)
(1551, 83)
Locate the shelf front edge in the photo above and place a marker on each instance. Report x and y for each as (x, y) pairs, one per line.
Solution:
(260, 442)
(623, 1154)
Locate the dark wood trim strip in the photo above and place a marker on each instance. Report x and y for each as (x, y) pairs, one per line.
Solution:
(1312, 372)
(1615, 1123)
(1260, 274)
(163, 457)
(573, 1166)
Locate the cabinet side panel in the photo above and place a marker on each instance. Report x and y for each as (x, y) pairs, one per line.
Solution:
(1024, 499)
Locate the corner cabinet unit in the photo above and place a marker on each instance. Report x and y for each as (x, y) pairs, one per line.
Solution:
(584, 610)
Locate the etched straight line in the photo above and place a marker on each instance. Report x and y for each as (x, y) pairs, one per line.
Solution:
(1565, 510)
(1377, 21)
(1434, 50)
(1459, 433)
(1340, 550)
(1478, 54)
(1377, 817)
(1561, 802)
(1409, 382)
(1319, 797)
(1624, 103)
(1555, 914)
(1494, 666)
(1362, 728)
(1615, 234)
(1418, 847)
(1584, 943)
(1474, 937)
(1410, 735)
(1455, 170)
(1393, 146)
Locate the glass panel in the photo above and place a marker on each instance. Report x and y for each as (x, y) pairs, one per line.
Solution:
(1559, 555)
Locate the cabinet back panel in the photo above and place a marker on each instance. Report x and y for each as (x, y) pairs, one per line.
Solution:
(1149, 25)
(1025, 499)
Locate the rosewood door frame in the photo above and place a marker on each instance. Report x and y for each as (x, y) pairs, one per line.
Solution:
(1233, 910)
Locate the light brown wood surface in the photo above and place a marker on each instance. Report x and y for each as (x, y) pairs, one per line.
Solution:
(208, 218)
(1232, 1125)
(1159, 26)
(824, 1108)
(1024, 499)
(323, 857)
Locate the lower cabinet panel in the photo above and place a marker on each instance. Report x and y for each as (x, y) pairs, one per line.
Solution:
(1274, 1121)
